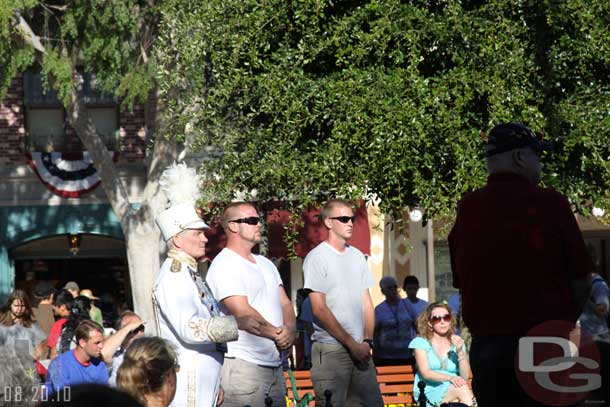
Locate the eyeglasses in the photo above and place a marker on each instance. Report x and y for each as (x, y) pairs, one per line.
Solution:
(138, 329)
(344, 219)
(251, 220)
(437, 318)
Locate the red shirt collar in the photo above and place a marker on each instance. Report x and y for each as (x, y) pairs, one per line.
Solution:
(81, 363)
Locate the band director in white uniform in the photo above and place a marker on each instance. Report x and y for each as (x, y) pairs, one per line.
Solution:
(186, 312)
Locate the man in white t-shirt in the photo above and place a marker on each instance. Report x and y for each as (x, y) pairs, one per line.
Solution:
(344, 317)
(249, 285)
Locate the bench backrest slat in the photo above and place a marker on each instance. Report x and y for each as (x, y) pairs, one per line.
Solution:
(395, 383)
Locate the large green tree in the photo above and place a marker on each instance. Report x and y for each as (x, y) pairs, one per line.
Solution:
(113, 39)
(386, 98)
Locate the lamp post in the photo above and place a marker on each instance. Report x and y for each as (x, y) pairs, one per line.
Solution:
(430, 262)
(416, 215)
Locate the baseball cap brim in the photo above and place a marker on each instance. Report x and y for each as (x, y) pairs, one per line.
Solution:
(543, 145)
(538, 145)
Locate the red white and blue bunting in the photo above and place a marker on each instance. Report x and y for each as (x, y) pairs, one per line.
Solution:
(69, 175)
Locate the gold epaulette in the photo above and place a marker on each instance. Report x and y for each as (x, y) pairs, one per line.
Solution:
(176, 266)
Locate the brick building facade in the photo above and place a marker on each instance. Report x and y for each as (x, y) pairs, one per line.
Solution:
(13, 135)
(36, 222)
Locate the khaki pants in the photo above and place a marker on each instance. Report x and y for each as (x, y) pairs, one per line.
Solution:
(333, 369)
(246, 383)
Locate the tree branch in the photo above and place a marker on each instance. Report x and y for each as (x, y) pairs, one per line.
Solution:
(164, 152)
(27, 34)
(115, 189)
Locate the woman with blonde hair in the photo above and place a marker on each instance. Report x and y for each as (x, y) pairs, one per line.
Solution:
(441, 358)
(148, 371)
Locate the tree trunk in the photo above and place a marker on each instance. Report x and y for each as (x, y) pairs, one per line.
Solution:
(142, 236)
(142, 243)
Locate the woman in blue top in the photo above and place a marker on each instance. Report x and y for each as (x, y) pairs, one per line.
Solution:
(440, 355)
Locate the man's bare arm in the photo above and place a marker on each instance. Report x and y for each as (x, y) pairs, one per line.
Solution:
(369, 314)
(286, 338)
(248, 318)
(112, 342)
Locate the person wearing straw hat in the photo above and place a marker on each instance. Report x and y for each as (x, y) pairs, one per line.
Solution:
(95, 313)
(186, 312)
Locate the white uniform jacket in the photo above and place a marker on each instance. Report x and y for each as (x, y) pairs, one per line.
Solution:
(182, 316)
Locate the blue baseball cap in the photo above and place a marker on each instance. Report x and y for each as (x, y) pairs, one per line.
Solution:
(510, 136)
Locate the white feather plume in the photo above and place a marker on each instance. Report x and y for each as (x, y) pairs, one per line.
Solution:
(180, 183)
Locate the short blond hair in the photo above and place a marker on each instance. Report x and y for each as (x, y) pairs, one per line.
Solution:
(332, 204)
(227, 214)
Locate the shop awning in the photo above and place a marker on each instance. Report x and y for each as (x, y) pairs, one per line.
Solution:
(309, 235)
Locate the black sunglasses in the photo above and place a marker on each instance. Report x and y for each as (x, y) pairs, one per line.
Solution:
(251, 220)
(138, 329)
(344, 219)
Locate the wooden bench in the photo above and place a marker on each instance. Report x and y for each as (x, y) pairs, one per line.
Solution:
(395, 383)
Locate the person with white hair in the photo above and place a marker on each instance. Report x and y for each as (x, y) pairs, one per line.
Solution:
(186, 312)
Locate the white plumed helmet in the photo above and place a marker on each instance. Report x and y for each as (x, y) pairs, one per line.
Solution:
(181, 185)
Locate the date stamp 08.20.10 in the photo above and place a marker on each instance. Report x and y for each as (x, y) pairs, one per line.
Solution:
(33, 394)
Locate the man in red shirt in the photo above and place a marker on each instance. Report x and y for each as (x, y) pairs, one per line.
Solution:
(518, 258)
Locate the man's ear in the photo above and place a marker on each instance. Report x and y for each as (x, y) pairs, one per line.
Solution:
(176, 241)
(233, 227)
(518, 158)
(328, 223)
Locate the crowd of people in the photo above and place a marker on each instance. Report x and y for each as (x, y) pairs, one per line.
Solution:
(224, 337)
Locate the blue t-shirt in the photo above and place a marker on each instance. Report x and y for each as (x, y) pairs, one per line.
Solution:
(65, 370)
(454, 304)
(306, 316)
(418, 306)
(589, 320)
(394, 330)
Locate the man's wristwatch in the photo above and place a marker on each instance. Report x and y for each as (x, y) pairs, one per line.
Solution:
(369, 341)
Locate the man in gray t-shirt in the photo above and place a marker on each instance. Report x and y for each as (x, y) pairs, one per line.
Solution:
(344, 316)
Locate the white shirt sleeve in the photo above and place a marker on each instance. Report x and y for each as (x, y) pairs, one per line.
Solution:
(225, 278)
(315, 273)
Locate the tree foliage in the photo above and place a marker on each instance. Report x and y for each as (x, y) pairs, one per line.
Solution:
(109, 38)
(112, 40)
(386, 98)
